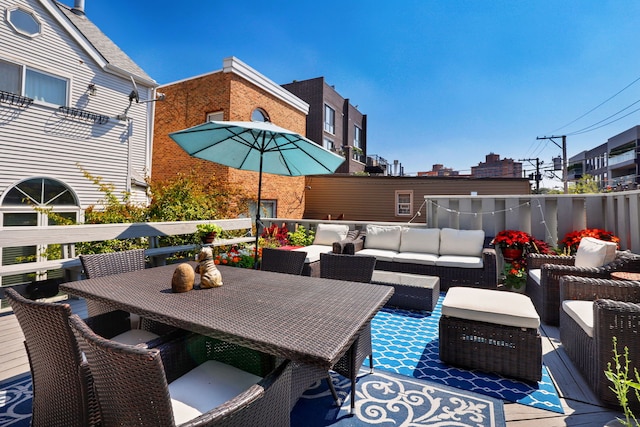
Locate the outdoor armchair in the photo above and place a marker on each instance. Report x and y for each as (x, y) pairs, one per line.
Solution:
(593, 312)
(282, 261)
(544, 273)
(200, 382)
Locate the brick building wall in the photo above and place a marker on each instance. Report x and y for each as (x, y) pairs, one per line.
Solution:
(187, 104)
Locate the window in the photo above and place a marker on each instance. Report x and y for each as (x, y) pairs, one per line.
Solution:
(357, 137)
(268, 210)
(404, 203)
(328, 144)
(37, 85)
(329, 119)
(259, 115)
(218, 116)
(24, 22)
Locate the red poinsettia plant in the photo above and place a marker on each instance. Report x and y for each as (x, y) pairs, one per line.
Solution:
(512, 239)
(571, 240)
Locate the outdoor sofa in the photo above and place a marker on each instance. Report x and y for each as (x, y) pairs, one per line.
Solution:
(457, 257)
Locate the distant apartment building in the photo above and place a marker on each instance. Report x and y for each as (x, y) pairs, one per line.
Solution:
(333, 122)
(439, 170)
(613, 164)
(493, 167)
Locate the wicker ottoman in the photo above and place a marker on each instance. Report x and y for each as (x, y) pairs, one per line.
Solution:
(411, 291)
(494, 331)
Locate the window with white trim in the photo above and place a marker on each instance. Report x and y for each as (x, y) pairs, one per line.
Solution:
(328, 144)
(404, 202)
(24, 21)
(357, 137)
(329, 119)
(38, 85)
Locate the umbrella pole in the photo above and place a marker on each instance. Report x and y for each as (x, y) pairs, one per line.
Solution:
(255, 256)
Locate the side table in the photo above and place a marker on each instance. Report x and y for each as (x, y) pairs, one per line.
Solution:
(625, 275)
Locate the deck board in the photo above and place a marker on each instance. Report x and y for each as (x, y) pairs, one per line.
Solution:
(580, 405)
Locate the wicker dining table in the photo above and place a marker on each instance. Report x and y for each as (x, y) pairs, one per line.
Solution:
(310, 320)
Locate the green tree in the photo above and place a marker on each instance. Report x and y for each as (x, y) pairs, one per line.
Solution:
(585, 185)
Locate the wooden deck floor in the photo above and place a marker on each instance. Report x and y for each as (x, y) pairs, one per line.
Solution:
(580, 405)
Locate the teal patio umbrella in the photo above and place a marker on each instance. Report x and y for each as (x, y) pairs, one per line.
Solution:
(257, 146)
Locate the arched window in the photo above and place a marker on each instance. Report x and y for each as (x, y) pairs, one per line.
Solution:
(259, 115)
(19, 208)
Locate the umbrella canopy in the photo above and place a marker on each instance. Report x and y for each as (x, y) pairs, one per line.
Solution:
(257, 146)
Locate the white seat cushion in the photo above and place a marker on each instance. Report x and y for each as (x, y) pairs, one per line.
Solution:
(486, 305)
(326, 234)
(383, 237)
(416, 258)
(461, 242)
(205, 387)
(535, 274)
(594, 252)
(459, 261)
(135, 337)
(421, 240)
(380, 254)
(314, 251)
(581, 312)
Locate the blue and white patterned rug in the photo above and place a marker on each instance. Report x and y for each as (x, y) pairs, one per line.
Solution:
(387, 399)
(406, 342)
(383, 399)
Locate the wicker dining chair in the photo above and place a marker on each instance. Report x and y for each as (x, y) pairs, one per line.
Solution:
(62, 385)
(100, 265)
(203, 382)
(354, 269)
(281, 261)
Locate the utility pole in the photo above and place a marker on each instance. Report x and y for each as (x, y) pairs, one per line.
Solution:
(538, 177)
(564, 158)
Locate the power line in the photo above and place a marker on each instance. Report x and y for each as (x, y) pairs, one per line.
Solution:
(599, 105)
(592, 128)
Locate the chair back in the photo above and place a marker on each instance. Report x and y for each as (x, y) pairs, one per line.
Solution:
(100, 265)
(129, 381)
(352, 268)
(60, 380)
(282, 261)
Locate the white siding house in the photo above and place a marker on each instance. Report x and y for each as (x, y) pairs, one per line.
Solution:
(64, 91)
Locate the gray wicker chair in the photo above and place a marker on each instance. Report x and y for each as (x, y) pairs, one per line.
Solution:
(546, 294)
(616, 312)
(100, 265)
(62, 391)
(134, 386)
(355, 269)
(282, 261)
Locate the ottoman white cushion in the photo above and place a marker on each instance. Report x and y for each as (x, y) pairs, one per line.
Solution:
(486, 305)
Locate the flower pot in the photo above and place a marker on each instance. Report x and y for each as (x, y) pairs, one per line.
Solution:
(209, 237)
(510, 254)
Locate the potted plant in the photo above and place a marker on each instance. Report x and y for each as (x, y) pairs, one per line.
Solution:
(512, 243)
(515, 276)
(571, 240)
(624, 386)
(208, 232)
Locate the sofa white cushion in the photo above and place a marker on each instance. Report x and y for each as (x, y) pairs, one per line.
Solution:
(380, 254)
(535, 274)
(594, 252)
(383, 237)
(326, 234)
(581, 312)
(314, 251)
(135, 337)
(416, 258)
(461, 242)
(206, 387)
(486, 305)
(424, 240)
(459, 261)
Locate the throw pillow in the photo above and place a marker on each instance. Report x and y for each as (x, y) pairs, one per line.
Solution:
(326, 234)
(461, 242)
(383, 237)
(593, 252)
(421, 240)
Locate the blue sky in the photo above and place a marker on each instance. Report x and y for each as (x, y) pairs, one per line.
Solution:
(445, 81)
